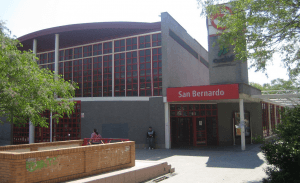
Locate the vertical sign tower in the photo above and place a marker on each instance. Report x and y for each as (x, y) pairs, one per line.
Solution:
(223, 67)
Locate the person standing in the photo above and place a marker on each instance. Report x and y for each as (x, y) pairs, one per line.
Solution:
(150, 138)
(95, 137)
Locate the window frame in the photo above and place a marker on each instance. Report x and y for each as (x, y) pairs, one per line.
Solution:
(97, 76)
(144, 44)
(121, 47)
(107, 50)
(107, 75)
(88, 52)
(132, 45)
(132, 87)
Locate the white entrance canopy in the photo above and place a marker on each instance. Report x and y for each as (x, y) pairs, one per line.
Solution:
(285, 98)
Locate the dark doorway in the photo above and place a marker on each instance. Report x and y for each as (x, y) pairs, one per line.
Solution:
(182, 132)
(193, 125)
(199, 131)
(212, 130)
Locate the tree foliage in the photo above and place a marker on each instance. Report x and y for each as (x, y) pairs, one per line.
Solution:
(264, 27)
(26, 90)
(284, 153)
(257, 85)
(278, 84)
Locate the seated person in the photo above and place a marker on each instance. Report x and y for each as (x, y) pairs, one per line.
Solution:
(95, 138)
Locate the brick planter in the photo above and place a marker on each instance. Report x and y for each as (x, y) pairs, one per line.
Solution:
(62, 161)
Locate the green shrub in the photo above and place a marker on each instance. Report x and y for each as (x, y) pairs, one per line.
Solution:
(258, 139)
(284, 153)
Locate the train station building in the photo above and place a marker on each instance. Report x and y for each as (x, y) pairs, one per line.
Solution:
(134, 75)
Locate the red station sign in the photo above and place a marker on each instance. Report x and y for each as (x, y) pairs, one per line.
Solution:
(198, 93)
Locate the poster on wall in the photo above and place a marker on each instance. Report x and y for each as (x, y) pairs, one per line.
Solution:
(237, 124)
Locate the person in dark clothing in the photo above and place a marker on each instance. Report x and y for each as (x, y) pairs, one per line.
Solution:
(150, 138)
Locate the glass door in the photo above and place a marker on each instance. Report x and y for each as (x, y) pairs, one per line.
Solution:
(182, 132)
(200, 135)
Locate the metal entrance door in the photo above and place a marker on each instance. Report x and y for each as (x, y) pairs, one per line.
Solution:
(200, 135)
(212, 130)
(182, 132)
(194, 124)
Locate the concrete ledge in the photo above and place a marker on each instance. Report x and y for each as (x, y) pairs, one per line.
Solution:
(271, 138)
(42, 146)
(57, 147)
(143, 171)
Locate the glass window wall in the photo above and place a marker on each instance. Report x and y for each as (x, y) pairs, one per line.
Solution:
(119, 74)
(131, 74)
(136, 73)
(97, 77)
(107, 75)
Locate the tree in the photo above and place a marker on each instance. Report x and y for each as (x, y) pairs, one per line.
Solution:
(277, 84)
(26, 90)
(264, 27)
(284, 153)
(257, 85)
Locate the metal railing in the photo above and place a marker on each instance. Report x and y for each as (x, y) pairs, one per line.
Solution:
(280, 92)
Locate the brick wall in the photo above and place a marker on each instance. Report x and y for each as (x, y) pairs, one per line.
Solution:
(64, 164)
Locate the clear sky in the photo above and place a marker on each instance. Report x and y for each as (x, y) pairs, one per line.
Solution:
(26, 16)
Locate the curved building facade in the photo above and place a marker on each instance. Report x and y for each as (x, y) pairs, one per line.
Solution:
(105, 59)
(123, 70)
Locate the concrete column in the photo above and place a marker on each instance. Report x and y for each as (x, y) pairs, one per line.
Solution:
(56, 57)
(167, 126)
(269, 119)
(242, 125)
(31, 126)
(12, 133)
(250, 123)
(50, 127)
(233, 136)
(56, 54)
(275, 117)
(113, 71)
(280, 121)
(34, 46)
(31, 132)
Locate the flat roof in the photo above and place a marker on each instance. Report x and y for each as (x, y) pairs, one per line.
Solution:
(78, 34)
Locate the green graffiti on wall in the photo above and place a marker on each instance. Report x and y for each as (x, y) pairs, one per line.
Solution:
(36, 165)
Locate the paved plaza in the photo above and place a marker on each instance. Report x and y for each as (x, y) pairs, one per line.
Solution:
(211, 164)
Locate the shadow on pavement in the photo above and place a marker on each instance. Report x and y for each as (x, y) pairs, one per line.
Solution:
(222, 157)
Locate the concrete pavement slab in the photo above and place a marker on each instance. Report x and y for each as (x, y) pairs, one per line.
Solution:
(211, 164)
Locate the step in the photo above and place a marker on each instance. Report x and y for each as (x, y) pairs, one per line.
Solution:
(142, 171)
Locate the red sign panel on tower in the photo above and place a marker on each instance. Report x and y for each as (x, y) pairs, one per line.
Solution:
(198, 93)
